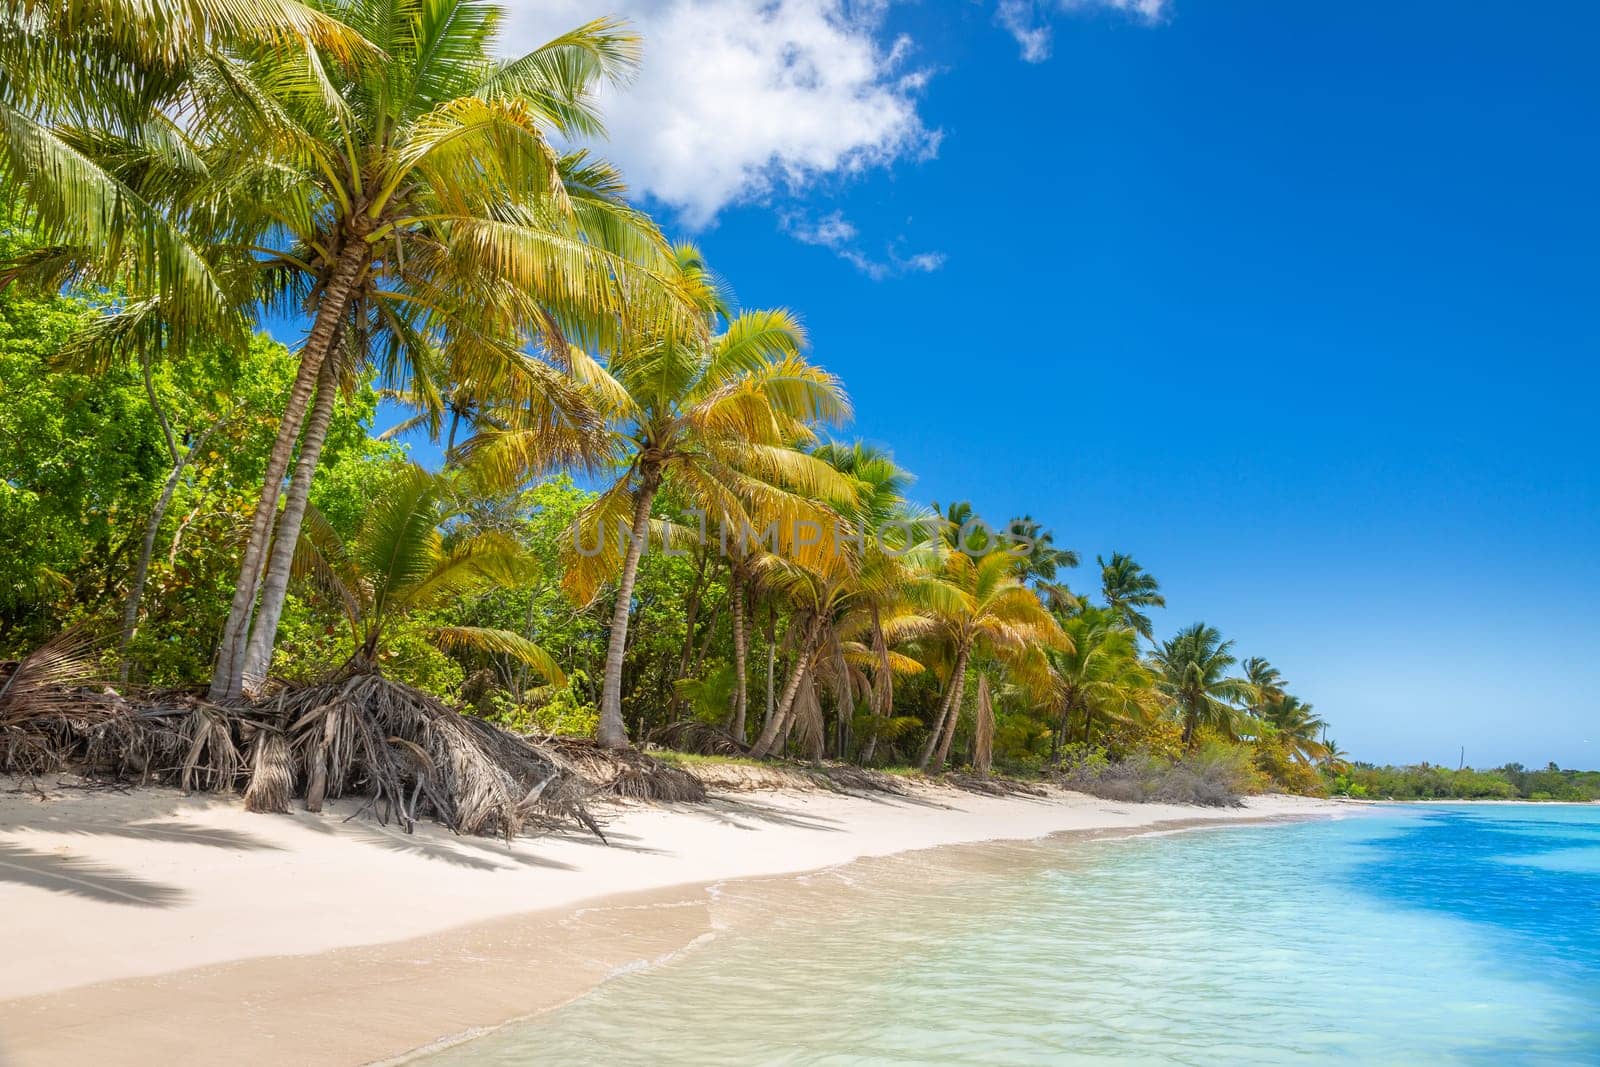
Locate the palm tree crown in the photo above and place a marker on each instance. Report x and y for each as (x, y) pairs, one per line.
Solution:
(1127, 587)
(1192, 671)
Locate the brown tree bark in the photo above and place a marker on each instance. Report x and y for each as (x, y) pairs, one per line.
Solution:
(612, 731)
(954, 715)
(286, 535)
(227, 680)
(741, 655)
(778, 724)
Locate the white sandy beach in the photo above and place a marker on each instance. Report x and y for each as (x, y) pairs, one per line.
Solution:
(142, 926)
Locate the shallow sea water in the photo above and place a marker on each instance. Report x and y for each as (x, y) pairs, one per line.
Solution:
(1463, 934)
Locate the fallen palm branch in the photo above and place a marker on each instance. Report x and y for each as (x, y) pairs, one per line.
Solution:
(697, 738)
(627, 773)
(993, 786)
(411, 755)
(40, 704)
(406, 752)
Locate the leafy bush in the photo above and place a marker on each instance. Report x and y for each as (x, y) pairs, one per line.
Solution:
(570, 711)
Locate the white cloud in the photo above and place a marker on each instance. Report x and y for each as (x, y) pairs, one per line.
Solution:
(835, 232)
(741, 98)
(831, 231)
(1027, 20)
(1017, 16)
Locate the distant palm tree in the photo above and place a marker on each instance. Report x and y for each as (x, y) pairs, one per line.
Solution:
(1296, 722)
(977, 606)
(1192, 670)
(1267, 679)
(1039, 561)
(1127, 587)
(1099, 678)
(840, 596)
(717, 419)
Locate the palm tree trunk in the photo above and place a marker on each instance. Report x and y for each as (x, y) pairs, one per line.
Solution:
(741, 655)
(772, 657)
(882, 685)
(613, 732)
(141, 569)
(227, 681)
(958, 690)
(777, 723)
(926, 754)
(275, 586)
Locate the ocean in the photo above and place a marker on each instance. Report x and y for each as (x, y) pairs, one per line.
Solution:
(1400, 934)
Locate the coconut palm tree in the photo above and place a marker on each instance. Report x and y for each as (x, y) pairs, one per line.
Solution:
(1298, 724)
(97, 99)
(975, 606)
(1039, 561)
(895, 539)
(717, 421)
(1267, 679)
(1127, 587)
(382, 176)
(406, 559)
(1099, 678)
(427, 215)
(845, 599)
(1192, 671)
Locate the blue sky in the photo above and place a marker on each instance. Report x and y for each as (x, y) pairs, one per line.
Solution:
(1293, 302)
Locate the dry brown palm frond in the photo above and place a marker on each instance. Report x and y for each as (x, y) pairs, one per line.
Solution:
(271, 784)
(48, 699)
(413, 756)
(696, 738)
(627, 773)
(983, 740)
(212, 761)
(41, 683)
(808, 721)
(994, 787)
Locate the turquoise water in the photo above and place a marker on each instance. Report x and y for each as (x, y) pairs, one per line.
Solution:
(1460, 935)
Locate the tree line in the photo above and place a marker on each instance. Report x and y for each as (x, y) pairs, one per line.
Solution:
(181, 173)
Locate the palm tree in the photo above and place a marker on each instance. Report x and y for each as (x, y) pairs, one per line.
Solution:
(1192, 671)
(1267, 679)
(1127, 587)
(1298, 724)
(368, 166)
(895, 538)
(975, 606)
(407, 559)
(1100, 676)
(97, 103)
(839, 595)
(1039, 561)
(716, 421)
(427, 216)
(1334, 758)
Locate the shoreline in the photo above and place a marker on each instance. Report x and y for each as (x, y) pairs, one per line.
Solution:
(272, 933)
(1164, 828)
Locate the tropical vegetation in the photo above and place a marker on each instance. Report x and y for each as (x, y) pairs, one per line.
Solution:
(640, 521)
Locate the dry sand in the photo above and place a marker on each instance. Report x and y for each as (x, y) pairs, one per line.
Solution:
(152, 927)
